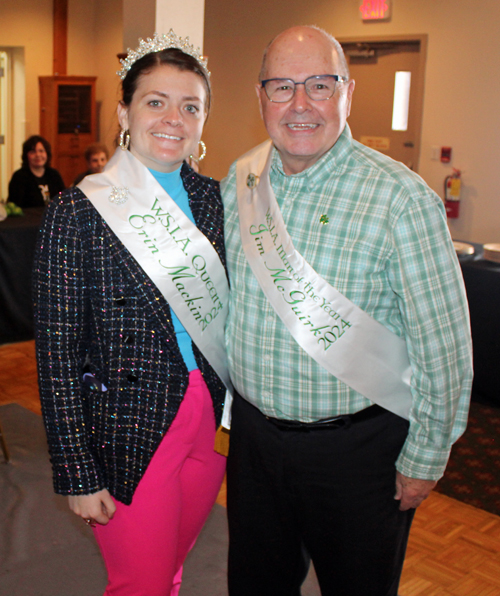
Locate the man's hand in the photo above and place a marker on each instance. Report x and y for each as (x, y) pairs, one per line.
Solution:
(98, 507)
(412, 491)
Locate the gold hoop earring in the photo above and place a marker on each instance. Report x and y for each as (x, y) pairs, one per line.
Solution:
(124, 139)
(203, 152)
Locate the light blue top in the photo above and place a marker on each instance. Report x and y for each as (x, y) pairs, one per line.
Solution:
(171, 183)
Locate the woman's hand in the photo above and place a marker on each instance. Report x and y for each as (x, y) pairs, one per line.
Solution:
(98, 507)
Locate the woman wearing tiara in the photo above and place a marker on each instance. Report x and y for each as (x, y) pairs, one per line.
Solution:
(130, 302)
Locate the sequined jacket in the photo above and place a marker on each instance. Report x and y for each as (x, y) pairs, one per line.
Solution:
(98, 314)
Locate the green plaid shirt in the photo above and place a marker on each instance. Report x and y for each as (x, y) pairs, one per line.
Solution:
(377, 233)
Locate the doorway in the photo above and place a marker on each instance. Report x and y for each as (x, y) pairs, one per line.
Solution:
(4, 110)
(373, 63)
(12, 113)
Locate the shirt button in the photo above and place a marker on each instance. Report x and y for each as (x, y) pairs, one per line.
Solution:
(267, 357)
(265, 394)
(270, 318)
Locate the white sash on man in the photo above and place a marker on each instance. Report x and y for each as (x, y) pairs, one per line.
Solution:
(174, 254)
(338, 335)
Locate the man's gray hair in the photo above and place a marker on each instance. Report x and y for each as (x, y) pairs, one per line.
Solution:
(344, 68)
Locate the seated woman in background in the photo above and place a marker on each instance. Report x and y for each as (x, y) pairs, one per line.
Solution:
(36, 182)
(97, 157)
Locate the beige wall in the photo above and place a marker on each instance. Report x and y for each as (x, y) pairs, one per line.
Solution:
(462, 87)
(461, 91)
(28, 24)
(94, 40)
(95, 34)
(109, 41)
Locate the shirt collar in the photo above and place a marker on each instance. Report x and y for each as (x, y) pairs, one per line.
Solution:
(334, 158)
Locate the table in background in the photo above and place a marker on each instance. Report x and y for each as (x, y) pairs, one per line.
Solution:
(482, 282)
(17, 247)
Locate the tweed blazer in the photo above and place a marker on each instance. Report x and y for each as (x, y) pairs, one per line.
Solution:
(110, 371)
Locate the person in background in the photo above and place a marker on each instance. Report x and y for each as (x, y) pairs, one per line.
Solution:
(348, 337)
(97, 157)
(130, 301)
(35, 183)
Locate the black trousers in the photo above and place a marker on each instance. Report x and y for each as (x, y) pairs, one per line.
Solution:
(325, 495)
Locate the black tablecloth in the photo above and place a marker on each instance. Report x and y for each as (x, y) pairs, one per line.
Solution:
(17, 245)
(482, 281)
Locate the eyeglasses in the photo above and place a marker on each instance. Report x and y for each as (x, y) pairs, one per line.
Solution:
(318, 87)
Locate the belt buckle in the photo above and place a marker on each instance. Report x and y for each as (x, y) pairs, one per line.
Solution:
(335, 422)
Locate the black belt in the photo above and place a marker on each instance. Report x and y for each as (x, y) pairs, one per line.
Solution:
(344, 421)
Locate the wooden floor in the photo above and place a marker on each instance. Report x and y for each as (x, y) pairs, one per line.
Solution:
(454, 549)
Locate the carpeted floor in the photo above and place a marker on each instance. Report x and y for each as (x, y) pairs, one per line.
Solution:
(45, 550)
(473, 472)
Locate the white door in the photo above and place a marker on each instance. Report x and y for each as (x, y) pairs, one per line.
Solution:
(4, 182)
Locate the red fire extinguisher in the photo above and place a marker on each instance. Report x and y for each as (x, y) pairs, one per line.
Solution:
(452, 186)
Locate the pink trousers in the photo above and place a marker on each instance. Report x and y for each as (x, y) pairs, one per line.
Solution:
(145, 544)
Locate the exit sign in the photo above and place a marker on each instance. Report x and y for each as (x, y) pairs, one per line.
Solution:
(375, 10)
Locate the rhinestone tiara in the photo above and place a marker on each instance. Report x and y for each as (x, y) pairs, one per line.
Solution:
(157, 44)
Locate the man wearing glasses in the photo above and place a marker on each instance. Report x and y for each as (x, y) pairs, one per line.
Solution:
(348, 338)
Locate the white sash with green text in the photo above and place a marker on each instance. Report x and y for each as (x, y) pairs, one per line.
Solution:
(341, 337)
(175, 255)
